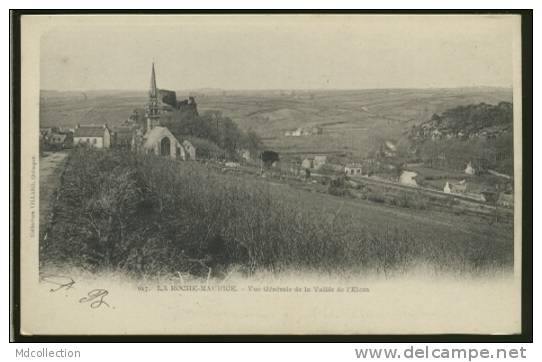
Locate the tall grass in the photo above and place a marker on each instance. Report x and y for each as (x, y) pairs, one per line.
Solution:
(147, 215)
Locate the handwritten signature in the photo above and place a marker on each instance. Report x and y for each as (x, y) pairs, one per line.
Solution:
(61, 282)
(96, 298)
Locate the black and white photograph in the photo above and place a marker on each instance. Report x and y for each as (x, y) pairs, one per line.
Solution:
(288, 174)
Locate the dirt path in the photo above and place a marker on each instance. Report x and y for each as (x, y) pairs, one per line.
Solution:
(51, 167)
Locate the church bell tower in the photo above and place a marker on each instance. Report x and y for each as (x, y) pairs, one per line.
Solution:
(152, 111)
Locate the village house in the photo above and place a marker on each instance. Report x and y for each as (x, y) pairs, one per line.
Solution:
(469, 170)
(93, 136)
(408, 178)
(352, 169)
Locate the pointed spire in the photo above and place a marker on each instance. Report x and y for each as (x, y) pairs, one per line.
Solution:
(153, 91)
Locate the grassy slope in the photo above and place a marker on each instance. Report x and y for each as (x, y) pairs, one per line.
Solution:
(139, 214)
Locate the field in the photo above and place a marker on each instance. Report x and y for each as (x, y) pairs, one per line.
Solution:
(352, 121)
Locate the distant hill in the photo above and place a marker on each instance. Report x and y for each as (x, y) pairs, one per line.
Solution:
(481, 134)
(473, 120)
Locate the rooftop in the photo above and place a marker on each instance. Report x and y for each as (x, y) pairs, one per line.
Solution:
(89, 131)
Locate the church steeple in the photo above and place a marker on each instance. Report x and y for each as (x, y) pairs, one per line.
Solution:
(153, 91)
(152, 110)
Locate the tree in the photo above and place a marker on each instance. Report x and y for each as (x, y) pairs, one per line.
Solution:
(252, 141)
(269, 157)
(212, 126)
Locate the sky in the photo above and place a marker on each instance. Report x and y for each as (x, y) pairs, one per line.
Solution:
(277, 52)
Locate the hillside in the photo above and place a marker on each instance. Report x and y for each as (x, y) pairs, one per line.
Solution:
(473, 120)
(352, 121)
(146, 215)
(477, 133)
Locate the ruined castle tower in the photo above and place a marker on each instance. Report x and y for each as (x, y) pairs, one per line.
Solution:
(152, 111)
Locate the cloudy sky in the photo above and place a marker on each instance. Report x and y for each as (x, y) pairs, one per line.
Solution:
(277, 52)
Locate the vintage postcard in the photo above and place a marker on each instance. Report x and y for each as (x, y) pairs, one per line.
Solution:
(277, 174)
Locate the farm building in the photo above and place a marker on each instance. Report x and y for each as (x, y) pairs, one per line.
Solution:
(160, 141)
(94, 136)
(353, 169)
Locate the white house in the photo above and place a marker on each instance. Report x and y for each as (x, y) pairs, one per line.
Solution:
(352, 169)
(469, 170)
(94, 136)
(408, 178)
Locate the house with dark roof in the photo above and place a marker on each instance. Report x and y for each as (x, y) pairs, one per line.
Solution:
(92, 136)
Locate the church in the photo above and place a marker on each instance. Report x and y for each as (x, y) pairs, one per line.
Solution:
(155, 138)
